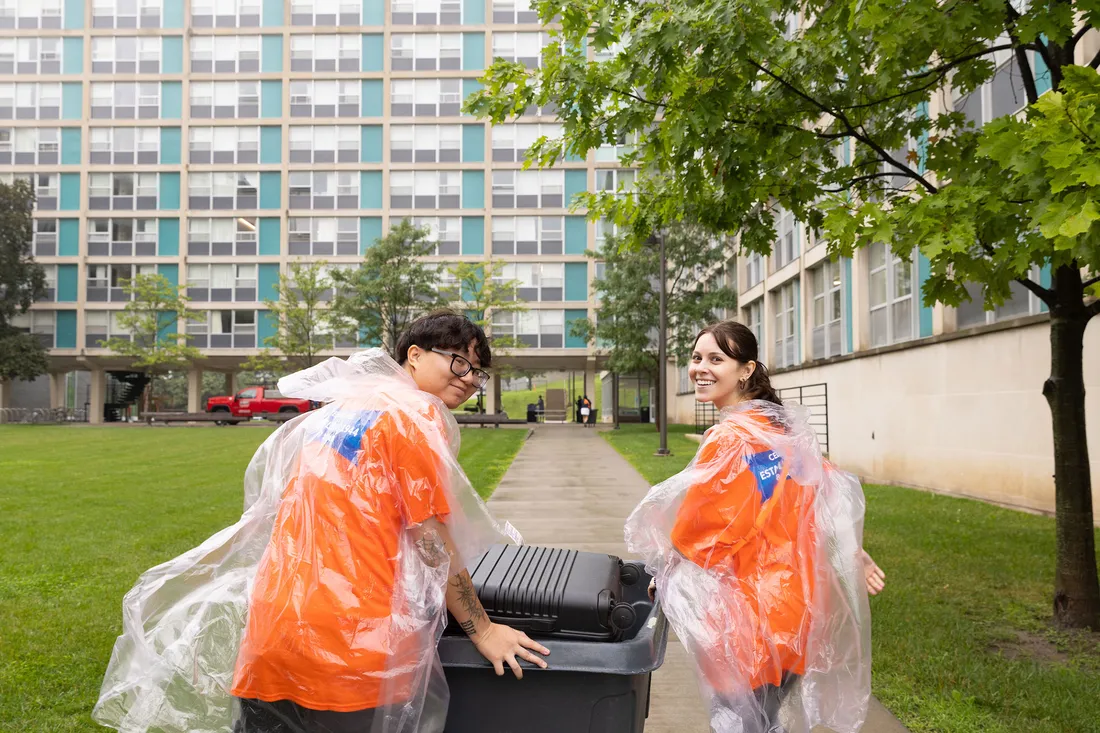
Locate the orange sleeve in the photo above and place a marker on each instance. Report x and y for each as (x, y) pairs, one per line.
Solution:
(421, 473)
(718, 515)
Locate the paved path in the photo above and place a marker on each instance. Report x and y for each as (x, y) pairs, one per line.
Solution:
(569, 488)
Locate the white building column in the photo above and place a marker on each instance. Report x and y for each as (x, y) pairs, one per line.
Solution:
(97, 396)
(231, 383)
(492, 395)
(194, 390)
(57, 389)
(6, 387)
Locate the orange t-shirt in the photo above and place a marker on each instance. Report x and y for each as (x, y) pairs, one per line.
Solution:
(320, 626)
(747, 515)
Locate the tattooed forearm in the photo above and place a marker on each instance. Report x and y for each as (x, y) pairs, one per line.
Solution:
(468, 627)
(467, 597)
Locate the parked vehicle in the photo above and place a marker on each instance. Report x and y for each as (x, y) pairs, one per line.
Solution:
(253, 401)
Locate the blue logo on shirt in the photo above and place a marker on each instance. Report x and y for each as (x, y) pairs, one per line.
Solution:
(343, 431)
(765, 467)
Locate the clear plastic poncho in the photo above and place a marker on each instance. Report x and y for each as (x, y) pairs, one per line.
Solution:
(330, 589)
(756, 552)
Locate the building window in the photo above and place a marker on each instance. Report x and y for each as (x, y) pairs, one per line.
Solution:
(786, 239)
(426, 12)
(604, 230)
(624, 145)
(426, 51)
(30, 14)
(221, 237)
(102, 325)
(225, 54)
(893, 303)
(30, 145)
(225, 13)
(528, 189)
(125, 100)
(512, 12)
(126, 55)
(1002, 95)
(223, 190)
(528, 235)
(510, 142)
(30, 101)
(40, 324)
(325, 13)
(786, 314)
(613, 180)
(224, 145)
(51, 284)
(425, 189)
(1021, 302)
(325, 144)
(124, 145)
(225, 100)
(683, 380)
(319, 99)
(754, 269)
(425, 97)
(126, 13)
(443, 232)
(122, 237)
(107, 283)
(827, 310)
(324, 189)
(323, 237)
(122, 191)
(524, 47)
(44, 239)
(325, 53)
(539, 328)
(536, 281)
(425, 143)
(232, 283)
(224, 330)
(30, 55)
(754, 319)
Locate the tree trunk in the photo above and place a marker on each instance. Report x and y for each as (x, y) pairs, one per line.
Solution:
(1076, 590)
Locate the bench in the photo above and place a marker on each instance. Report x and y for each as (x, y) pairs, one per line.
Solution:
(485, 419)
(221, 418)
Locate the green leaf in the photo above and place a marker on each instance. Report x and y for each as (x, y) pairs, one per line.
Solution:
(1080, 222)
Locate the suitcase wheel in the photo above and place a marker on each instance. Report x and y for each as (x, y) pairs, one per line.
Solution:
(623, 617)
(629, 574)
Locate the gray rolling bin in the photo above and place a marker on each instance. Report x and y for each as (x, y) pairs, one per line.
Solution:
(592, 686)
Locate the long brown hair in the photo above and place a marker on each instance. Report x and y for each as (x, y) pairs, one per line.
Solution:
(739, 343)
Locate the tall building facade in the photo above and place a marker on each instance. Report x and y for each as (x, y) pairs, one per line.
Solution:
(216, 141)
(931, 396)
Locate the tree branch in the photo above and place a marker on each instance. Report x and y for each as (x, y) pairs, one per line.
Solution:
(1043, 294)
(1093, 309)
(1079, 35)
(939, 70)
(1095, 60)
(860, 134)
(1021, 54)
(1090, 282)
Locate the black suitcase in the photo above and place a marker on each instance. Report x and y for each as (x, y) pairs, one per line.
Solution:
(544, 591)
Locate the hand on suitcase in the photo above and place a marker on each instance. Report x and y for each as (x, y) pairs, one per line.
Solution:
(500, 644)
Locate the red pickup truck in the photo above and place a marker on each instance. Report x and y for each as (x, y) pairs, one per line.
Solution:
(257, 401)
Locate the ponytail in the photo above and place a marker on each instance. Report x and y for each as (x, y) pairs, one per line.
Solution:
(759, 386)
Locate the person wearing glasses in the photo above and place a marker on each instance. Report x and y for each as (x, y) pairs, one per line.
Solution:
(320, 610)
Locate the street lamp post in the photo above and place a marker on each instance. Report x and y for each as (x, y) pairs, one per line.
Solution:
(662, 353)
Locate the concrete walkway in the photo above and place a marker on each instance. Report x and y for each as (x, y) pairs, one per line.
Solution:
(569, 488)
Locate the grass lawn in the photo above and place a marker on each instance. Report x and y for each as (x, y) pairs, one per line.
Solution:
(83, 511)
(962, 635)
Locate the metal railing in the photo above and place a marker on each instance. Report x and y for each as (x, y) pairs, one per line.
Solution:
(814, 397)
(41, 415)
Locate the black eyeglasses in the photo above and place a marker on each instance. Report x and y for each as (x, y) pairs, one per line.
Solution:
(461, 366)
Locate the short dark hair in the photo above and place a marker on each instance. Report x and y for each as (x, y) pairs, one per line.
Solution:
(444, 330)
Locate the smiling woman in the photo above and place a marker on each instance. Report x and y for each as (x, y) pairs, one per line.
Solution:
(725, 367)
